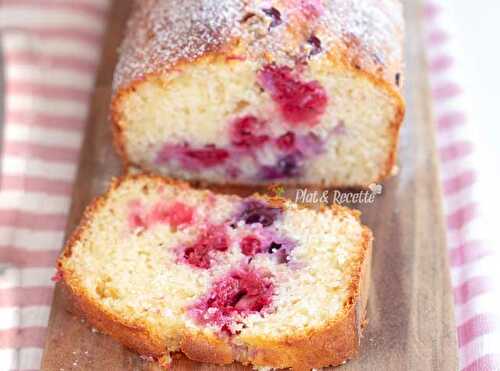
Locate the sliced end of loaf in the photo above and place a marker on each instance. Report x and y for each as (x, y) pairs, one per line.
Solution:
(127, 268)
(353, 141)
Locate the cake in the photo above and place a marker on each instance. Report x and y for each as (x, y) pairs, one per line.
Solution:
(165, 268)
(248, 92)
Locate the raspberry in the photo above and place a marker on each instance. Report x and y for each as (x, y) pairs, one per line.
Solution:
(176, 214)
(244, 132)
(275, 15)
(208, 156)
(250, 246)
(200, 253)
(243, 291)
(300, 102)
(286, 142)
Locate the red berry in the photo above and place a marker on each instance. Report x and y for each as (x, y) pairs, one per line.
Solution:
(176, 214)
(250, 246)
(199, 253)
(245, 132)
(286, 142)
(300, 102)
(208, 156)
(242, 292)
(180, 214)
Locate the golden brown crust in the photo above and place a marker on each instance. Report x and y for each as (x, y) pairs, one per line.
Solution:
(163, 33)
(331, 345)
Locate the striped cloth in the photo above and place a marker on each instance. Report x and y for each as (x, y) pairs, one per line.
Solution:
(51, 49)
(467, 199)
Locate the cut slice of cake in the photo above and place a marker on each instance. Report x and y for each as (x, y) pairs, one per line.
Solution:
(165, 268)
(250, 92)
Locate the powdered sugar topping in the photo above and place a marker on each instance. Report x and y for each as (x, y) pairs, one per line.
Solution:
(162, 33)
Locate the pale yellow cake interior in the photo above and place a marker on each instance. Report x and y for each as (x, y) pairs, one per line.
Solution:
(196, 103)
(135, 274)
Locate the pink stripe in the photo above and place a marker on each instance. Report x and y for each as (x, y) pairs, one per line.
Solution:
(74, 34)
(472, 288)
(431, 10)
(33, 221)
(25, 296)
(23, 337)
(468, 252)
(53, 61)
(446, 90)
(489, 362)
(461, 217)
(456, 150)
(73, 6)
(441, 63)
(47, 91)
(451, 119)
(36, 184)
(45, 120)
(41, 152)
(437, 37)
(24, 258)
(460, 182)
(475, 327)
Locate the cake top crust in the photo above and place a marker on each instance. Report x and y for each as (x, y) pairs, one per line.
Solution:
(163, 33)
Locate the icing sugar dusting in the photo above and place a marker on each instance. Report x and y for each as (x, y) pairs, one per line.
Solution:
(375, 25)
(162, 33)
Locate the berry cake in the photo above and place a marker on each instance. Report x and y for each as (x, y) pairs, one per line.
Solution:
(249, 92)
(165, 268)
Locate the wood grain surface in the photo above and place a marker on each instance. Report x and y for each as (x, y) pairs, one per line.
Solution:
(411, 324)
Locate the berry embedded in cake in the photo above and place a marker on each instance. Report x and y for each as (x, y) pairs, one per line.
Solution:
(178, 269)
(300, 103)
(241, 292)
(275, 147)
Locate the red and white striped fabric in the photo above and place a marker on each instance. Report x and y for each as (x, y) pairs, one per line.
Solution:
(474, 261)
(51, 49)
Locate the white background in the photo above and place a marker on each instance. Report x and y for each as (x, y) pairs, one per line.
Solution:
(478, 34)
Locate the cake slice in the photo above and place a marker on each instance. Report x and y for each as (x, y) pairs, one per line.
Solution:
(165, 268)
(251, 92)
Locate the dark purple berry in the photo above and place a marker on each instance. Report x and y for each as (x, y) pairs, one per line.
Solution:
(258, 212)
(273, 247)
(287, 167)
(286, 142)
(315, 44)
(275, 15)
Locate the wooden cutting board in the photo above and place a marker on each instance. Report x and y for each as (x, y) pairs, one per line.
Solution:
(411, 324)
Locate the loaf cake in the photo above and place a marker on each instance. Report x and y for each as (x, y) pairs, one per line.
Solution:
(250, 92)
(260, 280)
